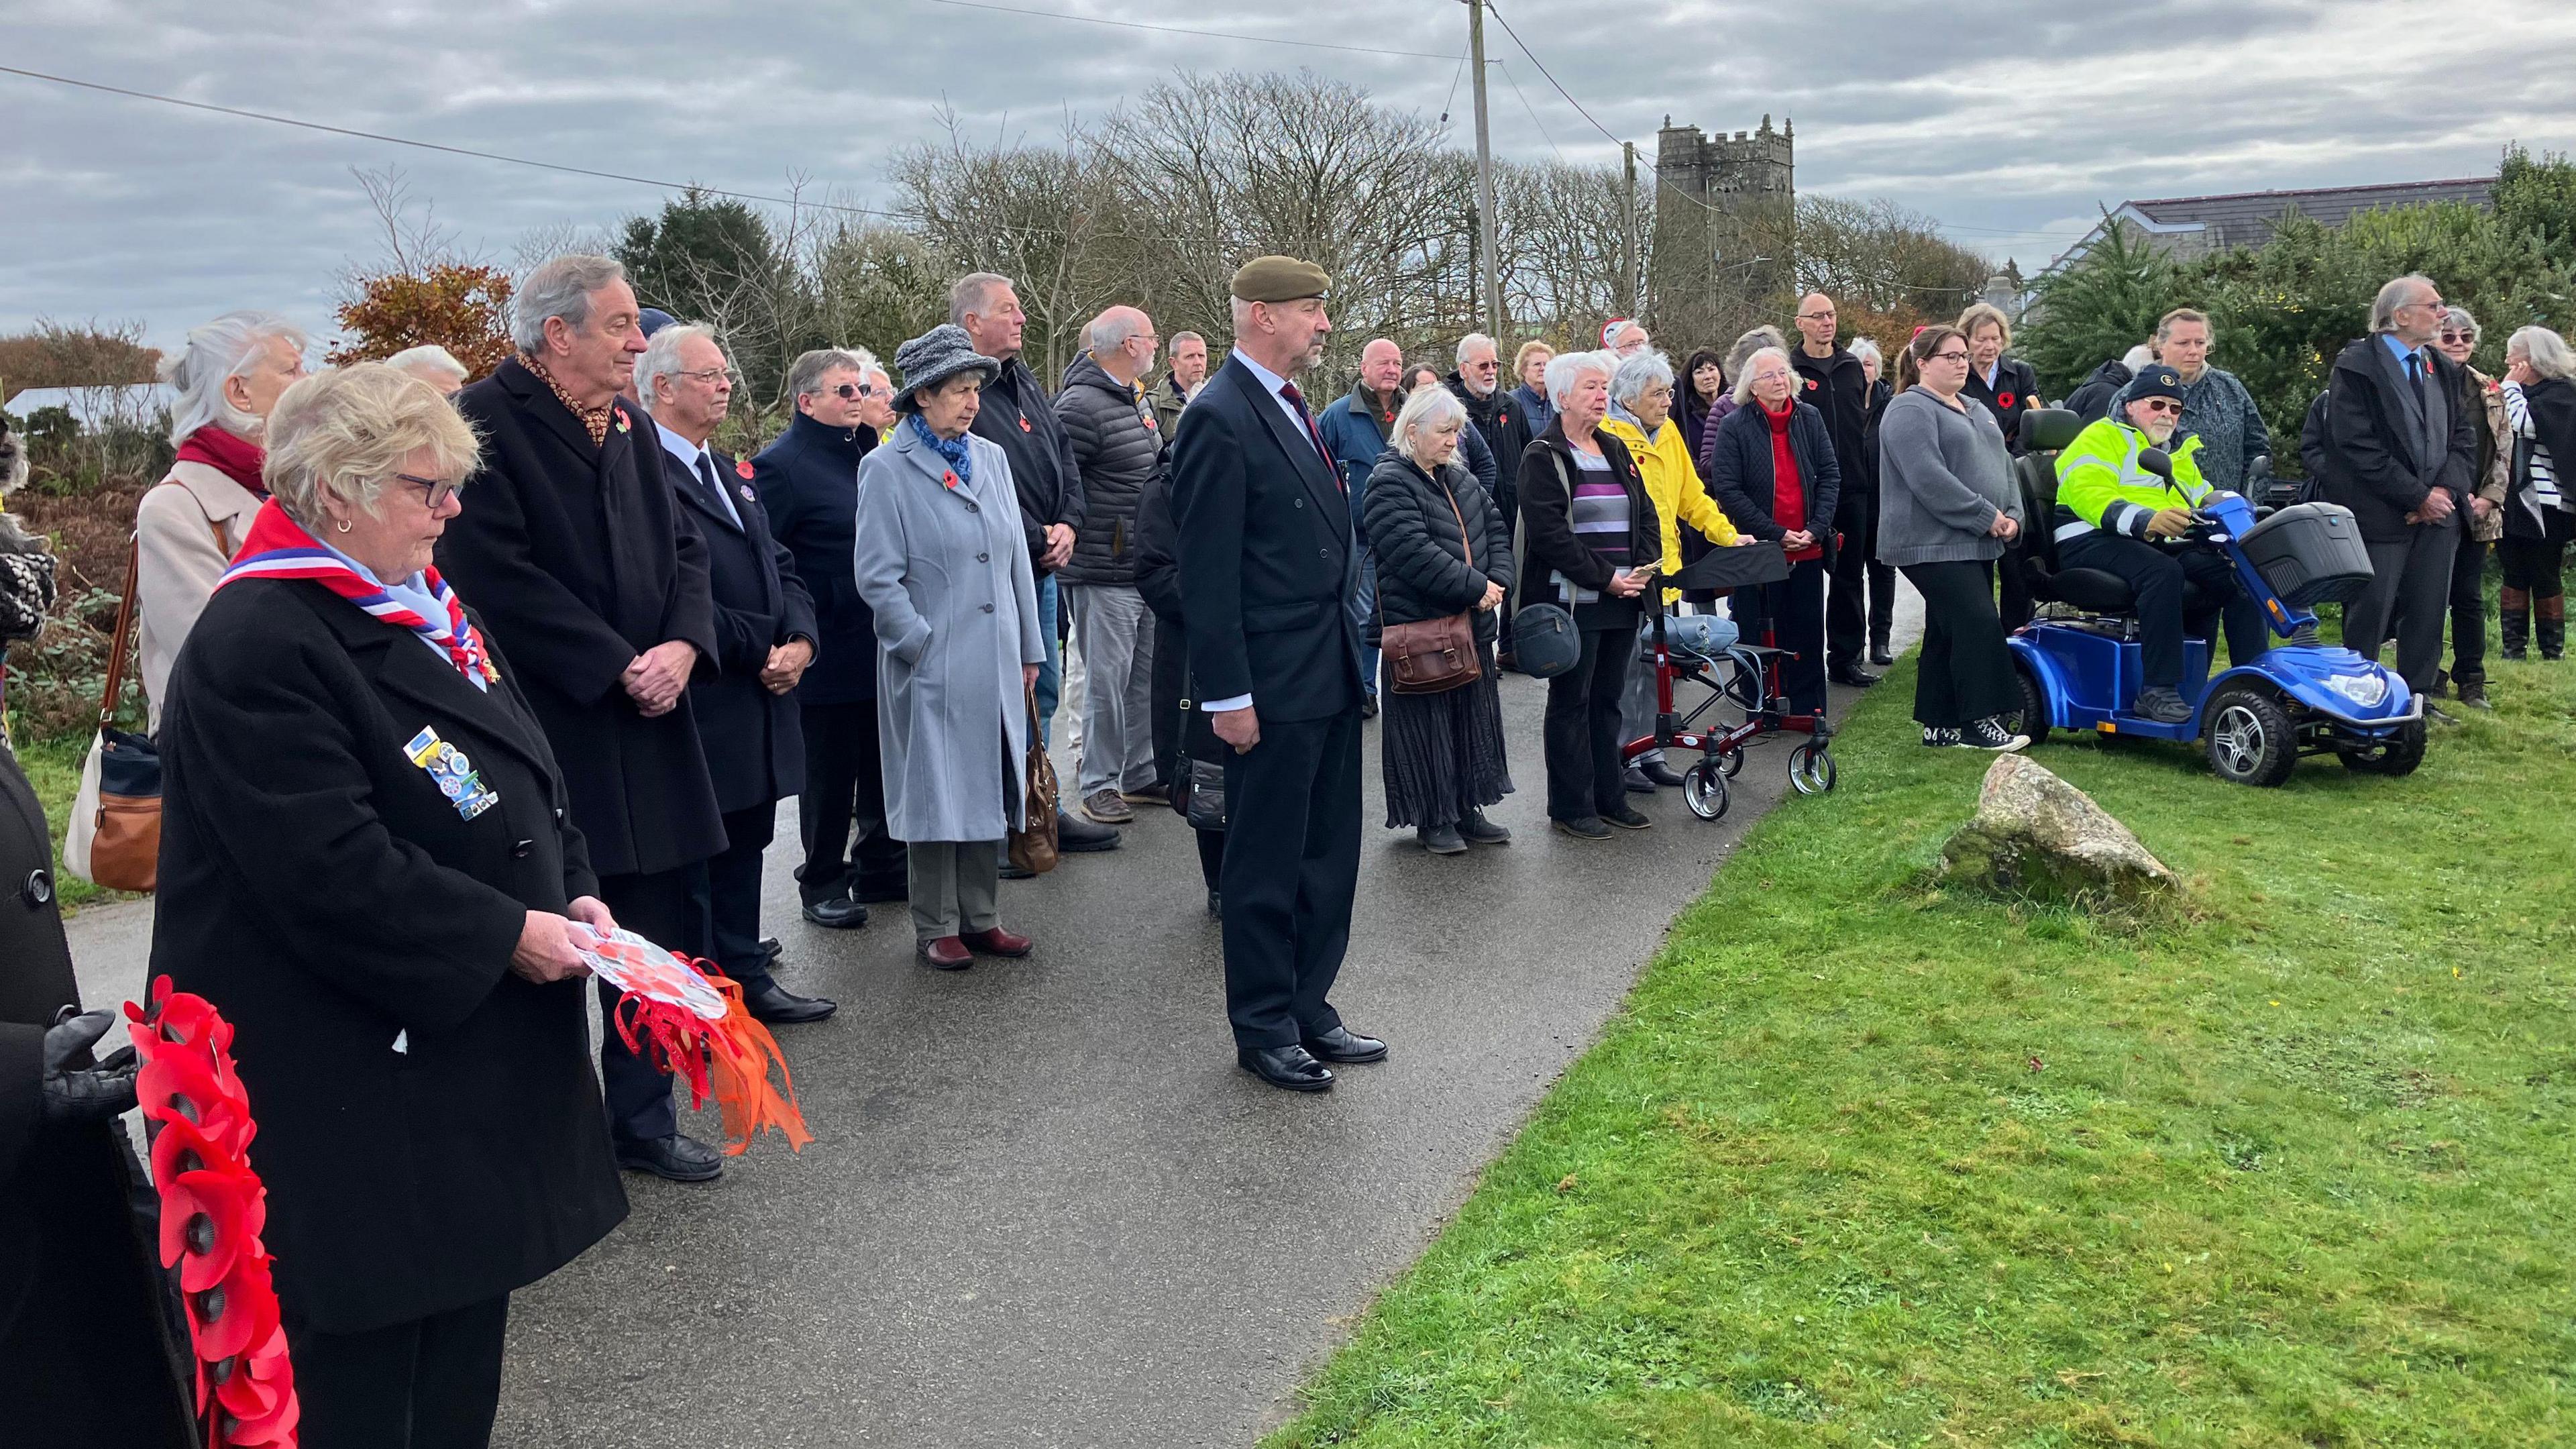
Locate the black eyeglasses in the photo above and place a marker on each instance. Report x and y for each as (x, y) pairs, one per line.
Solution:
(2468, 337)
(1960, 356)
(2161, 405)
(434, 491)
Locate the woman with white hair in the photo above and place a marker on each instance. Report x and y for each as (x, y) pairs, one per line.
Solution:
(434, 365)
(2539, 511)
(1594, 544)
(1737, 356)
(228, 376)
(1774, 471)
(1442, 551)
(366, 864)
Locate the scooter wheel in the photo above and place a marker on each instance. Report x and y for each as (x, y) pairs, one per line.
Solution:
(1704, 790)
(2248, 738)
(2034, 706)
(1811, 769)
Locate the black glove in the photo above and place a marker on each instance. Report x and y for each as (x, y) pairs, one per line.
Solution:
(85, 1094)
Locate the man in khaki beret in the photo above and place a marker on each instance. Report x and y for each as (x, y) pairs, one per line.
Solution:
(1267, 569)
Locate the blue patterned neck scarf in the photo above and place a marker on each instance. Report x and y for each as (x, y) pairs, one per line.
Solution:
(952, 449)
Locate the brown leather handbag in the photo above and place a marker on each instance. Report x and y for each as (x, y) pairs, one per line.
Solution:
(1434, 656)
(1032, 843)
(114, 836)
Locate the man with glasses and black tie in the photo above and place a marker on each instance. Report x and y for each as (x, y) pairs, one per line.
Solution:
(2115, 516)
(2404, 460)
(808, 481)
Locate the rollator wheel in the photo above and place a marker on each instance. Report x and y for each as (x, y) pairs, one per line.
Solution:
(1704, 790)
(1811, 769)
(1732, 762)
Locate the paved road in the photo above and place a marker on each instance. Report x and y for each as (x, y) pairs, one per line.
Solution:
(1045, 1207)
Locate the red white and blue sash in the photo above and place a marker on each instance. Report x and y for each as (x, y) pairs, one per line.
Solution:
(278, 548)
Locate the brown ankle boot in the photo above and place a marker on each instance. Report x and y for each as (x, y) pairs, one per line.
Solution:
(2513, 621)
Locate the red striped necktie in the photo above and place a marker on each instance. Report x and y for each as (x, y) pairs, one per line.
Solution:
(1297, 400)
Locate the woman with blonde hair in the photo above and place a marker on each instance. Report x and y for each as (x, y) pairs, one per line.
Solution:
(2006, 388)
(1441, 551)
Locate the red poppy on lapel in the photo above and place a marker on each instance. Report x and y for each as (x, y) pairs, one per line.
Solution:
(742, 466)
(948, 479)
(1811, 384)
(2003, 399)
(1024, 425)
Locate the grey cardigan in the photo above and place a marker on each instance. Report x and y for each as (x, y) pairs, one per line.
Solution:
(1943, 475)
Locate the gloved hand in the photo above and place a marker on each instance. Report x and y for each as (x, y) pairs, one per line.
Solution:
(85, 1094)
(2169, 523)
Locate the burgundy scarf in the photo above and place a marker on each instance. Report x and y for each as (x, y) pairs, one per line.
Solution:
(230, 454)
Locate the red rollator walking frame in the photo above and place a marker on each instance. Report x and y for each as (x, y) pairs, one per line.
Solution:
(1744, 673)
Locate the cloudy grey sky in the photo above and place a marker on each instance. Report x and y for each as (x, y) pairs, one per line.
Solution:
(2010, 121)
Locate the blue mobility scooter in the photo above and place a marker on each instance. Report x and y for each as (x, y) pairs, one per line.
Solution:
(2079, 661)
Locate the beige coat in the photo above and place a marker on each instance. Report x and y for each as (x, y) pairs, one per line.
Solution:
(186, 532)
(2497, 450)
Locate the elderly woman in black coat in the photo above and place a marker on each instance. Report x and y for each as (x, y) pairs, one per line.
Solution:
(1774, 473)
(1441, 550)
(366, 867)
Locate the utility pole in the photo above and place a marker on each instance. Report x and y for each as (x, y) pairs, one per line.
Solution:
(1493, 277)
(1628, 230)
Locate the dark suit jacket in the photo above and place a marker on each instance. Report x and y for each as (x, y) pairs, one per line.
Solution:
(1266, 555)
(2016, 391)
(580, 566)
(809, 484)
(1017, 417)
(754, 745)
(82, 1345)
(330, 901)
(2379, 464)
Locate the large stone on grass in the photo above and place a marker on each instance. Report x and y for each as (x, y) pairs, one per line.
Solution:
(2038, 838)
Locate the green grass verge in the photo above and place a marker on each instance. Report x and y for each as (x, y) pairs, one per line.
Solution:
(1861, 1163)
(54, 767)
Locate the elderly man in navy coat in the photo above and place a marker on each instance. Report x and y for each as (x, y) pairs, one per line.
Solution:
(764, 640)
(595, 584)
(1267, 568)
(809, 485)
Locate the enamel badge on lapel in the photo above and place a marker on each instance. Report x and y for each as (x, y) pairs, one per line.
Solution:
(453, 774)
(747, 495)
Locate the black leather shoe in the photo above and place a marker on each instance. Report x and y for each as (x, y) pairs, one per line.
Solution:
(775, 1005)
(1587, 828)
(771, 948)
(1289, 1068)
(1076, 836)
(1341, 1044)
(1627, 817)
(674, 1158)
(1852, 675)
(1216, 905)
(1879, 655)
(1654, 768)
(1635, 779)
(840, 913)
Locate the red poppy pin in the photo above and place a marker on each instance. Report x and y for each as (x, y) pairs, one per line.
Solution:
(622, 424)
(1024, 425)
(2004, 399)
(1811, 384)
(742, 466)
(948, 478)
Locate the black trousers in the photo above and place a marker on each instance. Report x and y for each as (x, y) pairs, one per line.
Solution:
(1849, 627)
(2469, 612)
(1882, 585)
(728, 894)
(664, 907)
(2408, 595)
(1965, 673)
(2157, 576)
(2533, 566)
(2016, 607)
(434, 1383)
(1292, 865)
(1582, 727)
(1794, 611)
(1170, 677)
(845, 790)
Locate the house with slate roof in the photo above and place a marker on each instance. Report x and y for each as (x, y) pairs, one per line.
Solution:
(2189, 226)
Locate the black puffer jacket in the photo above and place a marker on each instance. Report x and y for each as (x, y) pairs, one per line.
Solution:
(1422, 564)
(1499, 420)
(2092, 401)
(1743, 481)
(1118, 452)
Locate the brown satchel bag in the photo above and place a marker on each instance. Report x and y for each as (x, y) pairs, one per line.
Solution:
(1434, 656)
(1033, 846)
(114, 836)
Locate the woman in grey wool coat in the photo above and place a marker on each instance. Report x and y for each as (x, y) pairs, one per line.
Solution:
(942, 560)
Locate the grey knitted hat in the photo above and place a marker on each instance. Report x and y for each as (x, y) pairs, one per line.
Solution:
(934, 357)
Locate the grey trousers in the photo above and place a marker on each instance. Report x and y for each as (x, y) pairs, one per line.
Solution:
(1116, 632)
(953, 885)
(2409, 596)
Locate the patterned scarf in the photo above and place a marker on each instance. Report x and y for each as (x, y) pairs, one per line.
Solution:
(952, 449)
(280, 549)
(593, 420)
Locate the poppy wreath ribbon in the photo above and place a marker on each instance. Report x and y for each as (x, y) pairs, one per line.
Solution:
(213, 1208)
(700, 1029)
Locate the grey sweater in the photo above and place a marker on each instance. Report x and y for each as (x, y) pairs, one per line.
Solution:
(1943, 475)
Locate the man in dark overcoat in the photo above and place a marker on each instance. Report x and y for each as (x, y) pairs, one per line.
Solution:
(592, 579)
(765, 631)
(84, 1342)
(1267, 568)
(808, 481)
(2405, 462)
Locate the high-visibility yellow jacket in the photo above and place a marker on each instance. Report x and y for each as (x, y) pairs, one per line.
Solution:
(1672, 480)
(2101, 486)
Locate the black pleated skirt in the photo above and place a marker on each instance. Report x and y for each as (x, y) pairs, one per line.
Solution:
(1443, 753)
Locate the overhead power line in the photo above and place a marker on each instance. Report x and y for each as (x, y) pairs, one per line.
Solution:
(275, 120)
(1185, 30)
(1605, 131)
